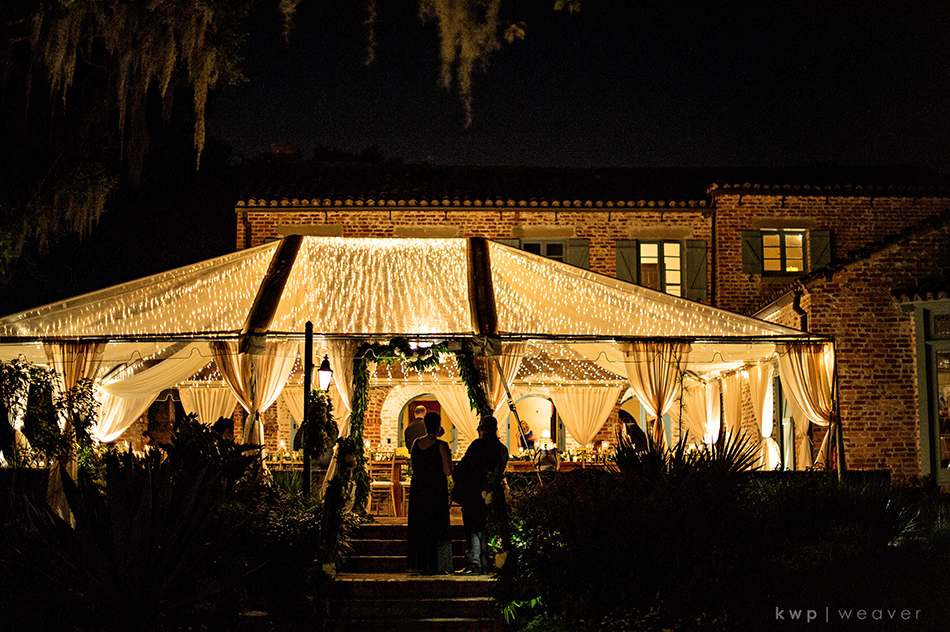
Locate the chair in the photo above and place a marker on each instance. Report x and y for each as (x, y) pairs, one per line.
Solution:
(382, 489)
(405, 484)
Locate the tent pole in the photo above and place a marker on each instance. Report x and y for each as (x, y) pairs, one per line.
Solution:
(307, 381)
(513, 408)
(836, 417)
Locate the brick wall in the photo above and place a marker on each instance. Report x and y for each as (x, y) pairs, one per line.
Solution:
(853, 221)
(876, 350)
(877, 361)
(602, 228)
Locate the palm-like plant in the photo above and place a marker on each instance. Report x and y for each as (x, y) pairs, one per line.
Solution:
(645, 458)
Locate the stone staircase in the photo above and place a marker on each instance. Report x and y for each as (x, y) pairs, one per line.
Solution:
(375, 592)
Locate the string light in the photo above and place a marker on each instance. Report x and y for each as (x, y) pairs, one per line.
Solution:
(211, 296)
(534, 294)
(367, 286)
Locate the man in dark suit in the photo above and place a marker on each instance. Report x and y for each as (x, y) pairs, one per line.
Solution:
(417, 428)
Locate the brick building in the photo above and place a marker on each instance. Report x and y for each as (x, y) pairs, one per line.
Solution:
(822, 249)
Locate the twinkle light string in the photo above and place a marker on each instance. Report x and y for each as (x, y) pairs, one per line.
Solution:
(535, 294)
(211, 296)
(367, 286)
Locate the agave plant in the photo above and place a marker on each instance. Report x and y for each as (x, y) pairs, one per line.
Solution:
(645, 458)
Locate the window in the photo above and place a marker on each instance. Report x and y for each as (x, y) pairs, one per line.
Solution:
(674, 267)
(784, 251)
(933, 385)
(941, 403)
(661, 266)
(573, 251)
(550, 249)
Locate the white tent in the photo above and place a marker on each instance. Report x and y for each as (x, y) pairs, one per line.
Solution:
(571, 323)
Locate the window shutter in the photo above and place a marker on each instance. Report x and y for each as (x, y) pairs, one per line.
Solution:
(819, 246)
(751, 252)
(514, 243)
(627, 260)
(695, 289)
(578, 253)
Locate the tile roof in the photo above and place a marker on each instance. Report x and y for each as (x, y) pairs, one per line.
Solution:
(932, 289)
(280, 184)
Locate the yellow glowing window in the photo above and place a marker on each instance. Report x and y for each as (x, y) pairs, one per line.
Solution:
(783, 251)
(661, 266)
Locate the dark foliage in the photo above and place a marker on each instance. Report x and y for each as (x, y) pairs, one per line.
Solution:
(685, 540)
(192, 534)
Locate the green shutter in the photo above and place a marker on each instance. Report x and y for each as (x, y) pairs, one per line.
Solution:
(514, 243)
(819, 246)
(751, 252)
(627, 260)
(695, 263)
(578, 253)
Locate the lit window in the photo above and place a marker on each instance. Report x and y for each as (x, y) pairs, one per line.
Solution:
(783, 251)
(661, 266)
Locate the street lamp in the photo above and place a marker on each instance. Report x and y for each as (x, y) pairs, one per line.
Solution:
(324, 374)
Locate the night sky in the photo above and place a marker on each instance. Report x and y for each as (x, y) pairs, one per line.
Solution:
(651, 84)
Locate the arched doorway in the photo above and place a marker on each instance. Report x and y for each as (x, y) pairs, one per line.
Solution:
(538, 414)
(432, 404)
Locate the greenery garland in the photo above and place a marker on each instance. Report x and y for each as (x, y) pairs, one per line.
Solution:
(357, 415)
(474, 382)
(399, 350)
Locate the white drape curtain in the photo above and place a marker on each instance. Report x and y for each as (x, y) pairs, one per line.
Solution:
(255, 380)
(454, 400)
(655, 372)
(732, 403)
(693, 413)
(124, 399)
(341, 354)
(72, 361)
(165, 374)
(208, 403)
(803, 455)
(584, 410)
(807, 374)
(293, 400)
(761, 391)
(510, 361)
(702, 413)
(116, 414)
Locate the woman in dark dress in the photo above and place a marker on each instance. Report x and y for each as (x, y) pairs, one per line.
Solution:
(429, 543)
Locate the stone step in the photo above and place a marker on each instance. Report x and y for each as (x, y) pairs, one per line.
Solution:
(421, 604)
(417, 608)
(381, 548)
(392, 548)
(390, 564)
(402, 586)
(418, 625)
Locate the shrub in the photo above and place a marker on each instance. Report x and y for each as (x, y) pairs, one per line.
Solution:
(140, 542)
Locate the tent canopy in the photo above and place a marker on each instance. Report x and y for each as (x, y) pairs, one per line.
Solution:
(379, 288)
